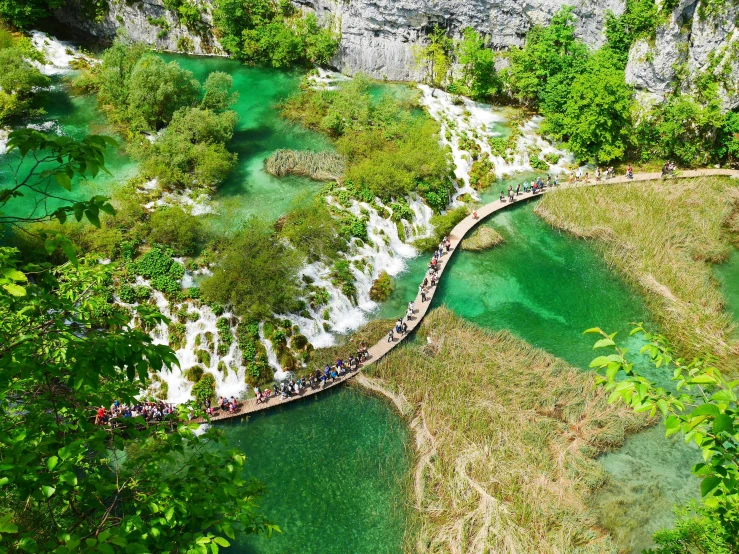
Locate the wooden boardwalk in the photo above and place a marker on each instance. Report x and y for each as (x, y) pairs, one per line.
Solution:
(379, 350)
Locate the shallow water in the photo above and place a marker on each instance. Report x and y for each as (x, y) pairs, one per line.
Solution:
(727, 274)
(336, 467)
(547, 288)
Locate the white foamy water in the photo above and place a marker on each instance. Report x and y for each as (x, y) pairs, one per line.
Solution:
(58, 55)
(385, 251)
(199, 205)
(326, 79)
(467, 120)
(4, 133)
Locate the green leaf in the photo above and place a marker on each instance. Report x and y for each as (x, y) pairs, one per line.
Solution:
(92, 217)
(63, 179)
(708, 484)
(14, 274)
(706, 410)
(221, 541)
(68, 477)
(52, 462)
(592, 330)
(14, 290)
(702, 380)
(7, 526)
(723, 422)
(603, 343)
(48, 491)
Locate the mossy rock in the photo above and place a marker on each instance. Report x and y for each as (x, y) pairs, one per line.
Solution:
(223, 367)
(208, 340)
(288, 362)
(382, 288)
(482, 239)
(194, 373)
(299, 342)
(222, 349)
(203, 357)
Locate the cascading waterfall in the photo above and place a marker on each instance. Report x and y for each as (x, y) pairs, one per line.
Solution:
(385, 251)
(59, 56)
(465, 120)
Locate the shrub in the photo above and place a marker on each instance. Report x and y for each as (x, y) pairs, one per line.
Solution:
(203, 357)
(343, 277)
(205, 388)
(382, 288)
(174, 227)
(194, 373)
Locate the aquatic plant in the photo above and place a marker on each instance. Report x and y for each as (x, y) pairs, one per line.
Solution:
(319, 166)
(662, 238)
(382, 287)
(483, 238)
(507, 437)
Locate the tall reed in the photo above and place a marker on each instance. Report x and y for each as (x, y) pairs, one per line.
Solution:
(663, 237)
(507, 437)
(320, 166)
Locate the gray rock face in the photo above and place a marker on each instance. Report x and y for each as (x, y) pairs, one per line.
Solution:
(378, 37)
(135, 20)
(687, 46)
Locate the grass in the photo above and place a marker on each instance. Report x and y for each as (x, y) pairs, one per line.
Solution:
(319, 166)
(483, 238)
(506, 438)
(663, 238)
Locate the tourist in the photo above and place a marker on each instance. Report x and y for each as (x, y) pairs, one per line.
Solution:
(629, 172)
(448, 244)
(474, 214)
(425, 282)
(423, 294)
(434, 280)
(597, 174)
(409, 314)
(502, 197)
(518, 189)
(398, 326)
(556, 181)
(578, 174)
(404, 328)
(390, 337)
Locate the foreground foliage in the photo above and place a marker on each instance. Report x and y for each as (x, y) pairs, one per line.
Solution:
(704, 409)
(21, 83)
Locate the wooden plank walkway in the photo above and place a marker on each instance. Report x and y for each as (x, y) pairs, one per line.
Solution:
(379, 350)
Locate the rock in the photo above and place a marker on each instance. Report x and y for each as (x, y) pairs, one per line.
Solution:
(482, 239)
(378, 37)
(695, 42)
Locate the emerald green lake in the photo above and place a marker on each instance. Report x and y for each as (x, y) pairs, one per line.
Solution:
(250, 190)
(336, 468)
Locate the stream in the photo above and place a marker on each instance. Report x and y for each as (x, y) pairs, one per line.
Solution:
(336, 466)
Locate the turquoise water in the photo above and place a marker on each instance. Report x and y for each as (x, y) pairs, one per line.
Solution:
(336, 468)
(74, 116)
(728, 275)
(547, 288)
(250, 190)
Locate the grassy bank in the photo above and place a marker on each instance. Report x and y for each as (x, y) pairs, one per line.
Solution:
(662, 237)
(506, 437)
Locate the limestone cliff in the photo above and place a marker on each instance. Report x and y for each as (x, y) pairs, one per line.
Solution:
(378, 36)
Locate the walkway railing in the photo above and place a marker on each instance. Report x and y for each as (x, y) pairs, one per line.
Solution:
(379, 350)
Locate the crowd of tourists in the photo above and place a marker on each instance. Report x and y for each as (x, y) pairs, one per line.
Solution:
(149, 411)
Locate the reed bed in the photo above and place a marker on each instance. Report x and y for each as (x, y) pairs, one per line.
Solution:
(662, 237)
(483, 238)
(506, 440)
(319, 166)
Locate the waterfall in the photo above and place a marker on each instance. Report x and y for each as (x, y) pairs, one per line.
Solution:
(385, 251)
(59, 56)
(463, 120)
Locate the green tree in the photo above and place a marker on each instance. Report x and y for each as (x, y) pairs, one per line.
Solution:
(549, 52)
(19, 81)
(113, 77)
(24, 13)
(595, 119)
(435, 59)
(703, 408)
(191, 153)
(69, 485)
(478, 66)
(156, 90)
(257, 273)
(639, 19)
(217, 95)
(176, 228)
(312, 230)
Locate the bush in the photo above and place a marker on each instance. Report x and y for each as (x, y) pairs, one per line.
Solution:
(265, 32)
(205, 388)
(443, 225)
(194, 373)
(19, 83)
(257, 273)
(382, 288)
(203, 357)
(174, 227)
(157, 264)
(343, 277)
(312, 230)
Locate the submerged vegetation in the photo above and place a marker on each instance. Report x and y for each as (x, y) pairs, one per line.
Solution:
(507, 438)
(485, 237)
(662, 237)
